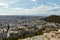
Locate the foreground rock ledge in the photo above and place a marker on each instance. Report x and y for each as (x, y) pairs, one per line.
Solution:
(53, 35)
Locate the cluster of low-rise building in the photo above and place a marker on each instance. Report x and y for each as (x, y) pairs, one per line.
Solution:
(15, 26)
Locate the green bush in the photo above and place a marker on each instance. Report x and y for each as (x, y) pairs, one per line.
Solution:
(1, 39)
(24, 35)
(11, 38)
(30, 35)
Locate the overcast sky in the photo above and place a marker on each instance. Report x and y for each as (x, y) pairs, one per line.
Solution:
(29, 7)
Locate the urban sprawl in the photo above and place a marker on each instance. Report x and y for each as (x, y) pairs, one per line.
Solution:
(14, 26)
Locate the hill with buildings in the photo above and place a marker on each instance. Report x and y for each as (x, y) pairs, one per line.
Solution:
(53, 18)
(21, 27)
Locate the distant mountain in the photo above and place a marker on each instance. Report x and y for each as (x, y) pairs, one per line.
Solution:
(54, 11)
(53, 18)
(57, 9)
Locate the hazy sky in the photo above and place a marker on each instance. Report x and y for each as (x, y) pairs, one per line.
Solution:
(29, 7)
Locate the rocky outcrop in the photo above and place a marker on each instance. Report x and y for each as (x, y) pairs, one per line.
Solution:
(53, 35)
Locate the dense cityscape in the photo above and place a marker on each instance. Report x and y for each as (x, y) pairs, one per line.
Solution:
(18, 26)
(13, 26)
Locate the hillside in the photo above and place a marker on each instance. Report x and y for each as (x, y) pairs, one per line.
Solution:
(53, 18)
(53, 35)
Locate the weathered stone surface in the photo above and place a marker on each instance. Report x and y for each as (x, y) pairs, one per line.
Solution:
(53, 35)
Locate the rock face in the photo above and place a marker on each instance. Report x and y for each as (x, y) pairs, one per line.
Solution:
(53, 35)
(34, 38)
